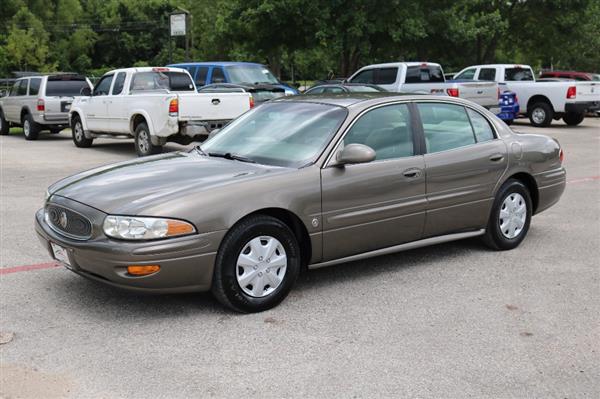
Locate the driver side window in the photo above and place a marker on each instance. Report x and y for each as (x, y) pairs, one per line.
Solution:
(103, 86)
(387, 130)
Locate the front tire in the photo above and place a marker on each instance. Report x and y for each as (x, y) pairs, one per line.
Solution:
(78, 134)
(257, 265)
(573, 118)
(31, 130)
(143, 143)
(510, 217)
(541, 114)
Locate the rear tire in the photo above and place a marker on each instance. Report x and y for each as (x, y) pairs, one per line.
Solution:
(257, 265)
(510, 217)
(78, 134)
(143, 143)
(541, 114)
(4, 126)
(31, 130)
(573, 118)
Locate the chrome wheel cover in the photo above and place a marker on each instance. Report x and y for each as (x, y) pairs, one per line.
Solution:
(538, 115)
(26, 127)
(261, 266)
(143, 141)
(78, 131)
(513, 214)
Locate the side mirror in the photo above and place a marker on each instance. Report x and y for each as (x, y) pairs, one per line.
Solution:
(355, 153)
(85, 91)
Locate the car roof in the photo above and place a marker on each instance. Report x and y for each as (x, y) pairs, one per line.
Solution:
(218, 63)
(351, 99)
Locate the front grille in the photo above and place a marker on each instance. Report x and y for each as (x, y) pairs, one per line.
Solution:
(68, 222)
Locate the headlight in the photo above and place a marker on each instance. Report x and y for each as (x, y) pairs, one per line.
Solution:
(143, 228)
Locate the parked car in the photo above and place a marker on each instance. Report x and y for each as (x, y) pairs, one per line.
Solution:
(254, 78)
(40, 103)
(344, 88)
(259, 93)
(583, 76)
(306, 181)
(153, 106)
(541, 101)
(426, 78)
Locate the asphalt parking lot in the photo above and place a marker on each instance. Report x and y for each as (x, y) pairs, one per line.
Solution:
(450, 321)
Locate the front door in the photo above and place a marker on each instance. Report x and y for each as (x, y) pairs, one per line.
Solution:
(97, 110)
(464, 161)
(117, 111)
(380, 203)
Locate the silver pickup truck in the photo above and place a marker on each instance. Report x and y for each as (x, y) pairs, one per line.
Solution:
(40, 103)
(426, 78)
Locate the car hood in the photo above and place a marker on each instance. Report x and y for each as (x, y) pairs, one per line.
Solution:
(130, 187)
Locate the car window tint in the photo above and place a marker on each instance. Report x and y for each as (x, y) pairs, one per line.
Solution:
(446, 126)
(22, 88)
(333, 90)
(218, 76)
(386, 130)
(34, 86)
(469, 74)
(481, 127)
(64, 86)
(487, 74)
(103, 86)
(424, 74)
(365, 76)
(517, 74)
(119, 83)
(201, 76)
(385, 76)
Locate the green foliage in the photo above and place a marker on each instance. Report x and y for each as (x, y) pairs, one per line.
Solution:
(299, 39)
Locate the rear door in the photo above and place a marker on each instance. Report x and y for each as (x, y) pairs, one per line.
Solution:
(464, 160)
(212, 106)
(380, 203)
(14, 102)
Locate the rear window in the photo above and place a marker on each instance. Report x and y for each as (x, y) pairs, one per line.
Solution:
(155, 80)
(65, 86)
(377, 76)
(424, 74)
(517, 74)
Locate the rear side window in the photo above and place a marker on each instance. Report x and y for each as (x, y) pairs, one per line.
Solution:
(487, 74)
(119, 83)
(34, 86)
(386, 130)
(377, 76)
(218, 76)
(65, 86)
(481, 127)
(517, 74)
(201, 76)
(22, 88)
(103, 86)
(469, 74)
(446, 126)
(424, 74)
(158, 80)
(15, 88)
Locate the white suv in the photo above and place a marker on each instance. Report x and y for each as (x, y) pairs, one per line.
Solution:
(40, 103)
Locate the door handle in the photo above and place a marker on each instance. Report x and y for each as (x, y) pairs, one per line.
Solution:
(412, 173)
(496, 157)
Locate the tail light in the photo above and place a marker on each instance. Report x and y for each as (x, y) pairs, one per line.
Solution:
(40, 105)
(561, 155)
(571, 92)
(251, 102)
(174, 107)
(452, 92)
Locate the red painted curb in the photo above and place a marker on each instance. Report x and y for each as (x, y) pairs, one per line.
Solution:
(26, 268)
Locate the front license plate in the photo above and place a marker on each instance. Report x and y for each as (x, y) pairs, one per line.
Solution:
(60, 254)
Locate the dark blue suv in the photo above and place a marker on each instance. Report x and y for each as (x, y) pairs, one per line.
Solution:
(229, 76)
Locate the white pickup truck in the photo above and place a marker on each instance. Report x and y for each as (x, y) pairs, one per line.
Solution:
(540, 101)
(152, 105)
(426, 78)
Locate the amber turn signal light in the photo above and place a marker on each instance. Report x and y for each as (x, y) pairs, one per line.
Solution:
(138, 270)
(176, 228)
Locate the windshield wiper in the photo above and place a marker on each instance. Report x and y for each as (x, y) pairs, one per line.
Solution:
(229, 155)
(200, 150)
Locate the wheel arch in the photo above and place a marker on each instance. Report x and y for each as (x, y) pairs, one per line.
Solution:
(537, 99)
(529, 181)
(24, 111)
(137, 118)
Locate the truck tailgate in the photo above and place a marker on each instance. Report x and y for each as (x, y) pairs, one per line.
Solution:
(212, 106)
(482, 93)
(587, 91)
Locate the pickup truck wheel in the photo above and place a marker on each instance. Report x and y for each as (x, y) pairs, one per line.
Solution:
(541, 114)
(4, 126)
(143, 144)
(78, 135)
(573, 118)
(31, 130)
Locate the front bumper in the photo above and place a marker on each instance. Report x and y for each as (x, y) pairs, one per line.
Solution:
(186, 263)
(582, 106)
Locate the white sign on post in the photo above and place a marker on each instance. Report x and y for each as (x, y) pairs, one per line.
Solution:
(178, 24)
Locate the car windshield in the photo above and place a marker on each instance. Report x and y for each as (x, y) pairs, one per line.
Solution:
(250, 74)
(289, 134)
